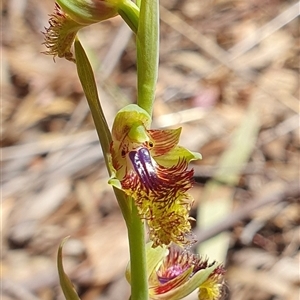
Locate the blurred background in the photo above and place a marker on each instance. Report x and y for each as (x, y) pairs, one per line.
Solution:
(229, 76)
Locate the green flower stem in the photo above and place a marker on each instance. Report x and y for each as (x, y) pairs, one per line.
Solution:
(138, 266)
(147, 43)
(87, 79)
(147, 53)
(130, 14)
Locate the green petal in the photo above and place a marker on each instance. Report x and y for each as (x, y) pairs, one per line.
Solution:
(177, 154)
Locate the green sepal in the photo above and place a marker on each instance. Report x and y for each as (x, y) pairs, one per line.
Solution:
(129, 116)
(129, 12)
(65, 283)
(155, 256)
(86, 12)
(115, 183)
(172, 157)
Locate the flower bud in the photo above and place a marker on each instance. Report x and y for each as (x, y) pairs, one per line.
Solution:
(69, 16)
(87, 12)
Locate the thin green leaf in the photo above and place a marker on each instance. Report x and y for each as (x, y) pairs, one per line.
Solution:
(88, 83)
(65, 282)
(87, 79)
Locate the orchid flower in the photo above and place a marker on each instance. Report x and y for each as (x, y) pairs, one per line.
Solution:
(146, 164)
(174, 273)
(181, 272)
(150, 167)
(70, 16)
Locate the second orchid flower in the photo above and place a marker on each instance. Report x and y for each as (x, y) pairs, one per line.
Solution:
(174, 273)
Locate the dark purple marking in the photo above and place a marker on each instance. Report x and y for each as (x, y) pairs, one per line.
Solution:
(142, 163)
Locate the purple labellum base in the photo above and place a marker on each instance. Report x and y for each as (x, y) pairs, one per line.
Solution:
(143, 166)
